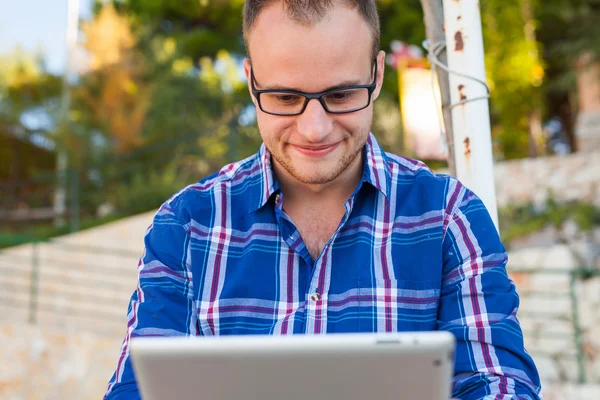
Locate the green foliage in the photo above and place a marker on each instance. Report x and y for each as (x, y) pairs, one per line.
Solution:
(400, 20)
(514, 71)
(166, 111)
(25, 87)
(522, 220)
(201, 28)
(568, 28)
(49, 231)
(146, 191)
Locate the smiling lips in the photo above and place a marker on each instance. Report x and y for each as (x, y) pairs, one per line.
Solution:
(316, 151)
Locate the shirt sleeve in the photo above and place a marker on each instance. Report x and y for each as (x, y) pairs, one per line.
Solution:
(163, 303)
(478, 305)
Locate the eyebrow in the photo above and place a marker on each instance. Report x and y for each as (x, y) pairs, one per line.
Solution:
(352, 82)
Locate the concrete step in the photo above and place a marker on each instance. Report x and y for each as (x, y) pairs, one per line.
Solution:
(13, 313)
(64, 313)
(14, 287)
(79, 291)
(115, 261)
(14, 267)
(63, 298)
(82, 323)
(15, 276)
(57, 296)
(89, 280)
(110, 266)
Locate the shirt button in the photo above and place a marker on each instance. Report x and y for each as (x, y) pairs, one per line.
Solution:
(277, 196)
(315, 297)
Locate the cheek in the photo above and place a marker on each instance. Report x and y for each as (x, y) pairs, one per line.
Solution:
(272, 127)
(355, 123)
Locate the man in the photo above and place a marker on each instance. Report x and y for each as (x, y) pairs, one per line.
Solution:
(323, 232)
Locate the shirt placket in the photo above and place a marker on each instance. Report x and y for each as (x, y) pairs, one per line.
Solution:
(317, 288)
(316, 299)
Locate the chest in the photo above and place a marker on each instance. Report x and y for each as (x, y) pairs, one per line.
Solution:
(316, 227)
(369, 278)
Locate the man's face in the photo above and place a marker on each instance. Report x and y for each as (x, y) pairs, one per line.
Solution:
(314, 147)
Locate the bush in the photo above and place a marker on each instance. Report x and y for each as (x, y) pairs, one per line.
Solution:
(522, 220)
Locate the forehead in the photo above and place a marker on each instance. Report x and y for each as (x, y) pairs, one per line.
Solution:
(310, 57)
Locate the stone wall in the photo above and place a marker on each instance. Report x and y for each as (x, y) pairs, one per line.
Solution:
(559, 315)
(549, 301)
(572, 177)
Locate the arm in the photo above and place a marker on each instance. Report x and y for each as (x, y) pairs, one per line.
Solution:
(163, 303)
(479, 303)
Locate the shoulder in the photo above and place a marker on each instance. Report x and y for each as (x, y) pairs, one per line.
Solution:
(414, 180)
(422, 193)
(235, 183)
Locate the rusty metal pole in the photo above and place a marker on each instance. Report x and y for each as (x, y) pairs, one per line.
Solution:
(469, 95)
(434, 26)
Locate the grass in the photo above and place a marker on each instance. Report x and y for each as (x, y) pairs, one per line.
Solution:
(45, 232)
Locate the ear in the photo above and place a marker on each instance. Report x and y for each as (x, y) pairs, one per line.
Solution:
(380, 73)
(247, 69)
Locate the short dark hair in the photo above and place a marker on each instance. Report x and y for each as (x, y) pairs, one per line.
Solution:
(307, 12)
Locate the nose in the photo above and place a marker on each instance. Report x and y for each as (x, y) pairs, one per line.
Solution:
(314, 124)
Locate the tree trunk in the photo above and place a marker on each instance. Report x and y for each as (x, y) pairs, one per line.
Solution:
(537, 145)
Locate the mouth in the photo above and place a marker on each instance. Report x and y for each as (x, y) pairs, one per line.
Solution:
(316, 151)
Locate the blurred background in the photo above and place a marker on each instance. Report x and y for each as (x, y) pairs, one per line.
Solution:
(107, 108)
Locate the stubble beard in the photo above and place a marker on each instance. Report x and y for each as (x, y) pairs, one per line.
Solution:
(316, 177)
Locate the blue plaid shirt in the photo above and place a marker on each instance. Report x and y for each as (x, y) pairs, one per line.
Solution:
(414, 251)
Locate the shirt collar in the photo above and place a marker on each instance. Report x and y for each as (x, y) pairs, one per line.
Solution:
(269, 184)
(376, 170)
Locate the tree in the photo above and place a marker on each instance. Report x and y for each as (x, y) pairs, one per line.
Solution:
(201, 27)
(568, 30)
(113, 93)
(515, 74)
(28, 111)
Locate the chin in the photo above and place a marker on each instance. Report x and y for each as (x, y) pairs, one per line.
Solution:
(315, 174)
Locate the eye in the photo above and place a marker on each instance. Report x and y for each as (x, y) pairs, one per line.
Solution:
(287, 98)
(340, 97)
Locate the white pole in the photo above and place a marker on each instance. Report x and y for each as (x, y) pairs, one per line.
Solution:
(470, 108)
(62, 163)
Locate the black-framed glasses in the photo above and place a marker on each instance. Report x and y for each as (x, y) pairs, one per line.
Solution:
(340, 100)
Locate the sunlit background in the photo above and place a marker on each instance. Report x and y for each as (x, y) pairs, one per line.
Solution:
(105, 113)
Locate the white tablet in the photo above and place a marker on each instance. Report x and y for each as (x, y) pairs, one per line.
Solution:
(298, 367)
